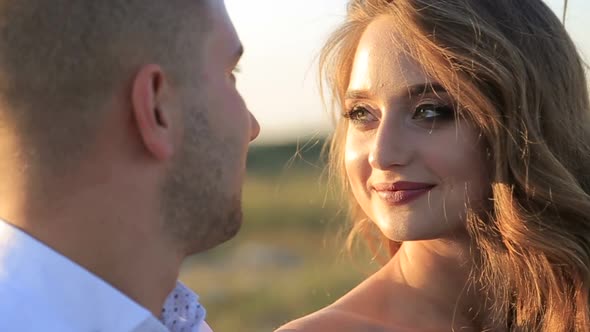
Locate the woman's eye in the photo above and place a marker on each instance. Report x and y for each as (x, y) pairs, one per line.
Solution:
(433, 111)
(359, 114)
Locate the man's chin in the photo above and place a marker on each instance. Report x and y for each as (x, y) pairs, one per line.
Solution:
(229, 231)
(222, 234)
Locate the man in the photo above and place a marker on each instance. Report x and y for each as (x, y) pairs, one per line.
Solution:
(123, 142)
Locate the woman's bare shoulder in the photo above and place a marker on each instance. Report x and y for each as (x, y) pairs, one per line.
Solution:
(330, 319)
(317, 321)
(361, 309)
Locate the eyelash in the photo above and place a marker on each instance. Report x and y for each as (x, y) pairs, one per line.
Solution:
(350, 114)
(234, 72)
(446, 112)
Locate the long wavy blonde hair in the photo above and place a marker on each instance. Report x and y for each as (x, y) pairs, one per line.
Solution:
(515, 73)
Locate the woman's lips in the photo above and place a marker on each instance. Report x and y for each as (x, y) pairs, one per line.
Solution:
(400, 193)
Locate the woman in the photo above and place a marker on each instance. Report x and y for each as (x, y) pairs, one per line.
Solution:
(465, 140)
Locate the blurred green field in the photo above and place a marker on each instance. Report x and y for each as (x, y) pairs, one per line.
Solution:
(288, 259)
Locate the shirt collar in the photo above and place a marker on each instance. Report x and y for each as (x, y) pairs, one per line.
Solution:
(59, 292)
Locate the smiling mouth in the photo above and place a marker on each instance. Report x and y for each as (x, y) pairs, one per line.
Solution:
(403, 194)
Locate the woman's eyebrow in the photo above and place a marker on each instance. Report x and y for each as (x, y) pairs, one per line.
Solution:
(413, 90)
(423, 88)
(357, 94)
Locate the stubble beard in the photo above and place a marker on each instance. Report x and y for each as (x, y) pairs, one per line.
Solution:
(198, 211)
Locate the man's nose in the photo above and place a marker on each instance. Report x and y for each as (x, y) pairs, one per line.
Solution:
(254, 127)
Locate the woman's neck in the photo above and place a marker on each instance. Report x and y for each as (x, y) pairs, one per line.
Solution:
(436, 274)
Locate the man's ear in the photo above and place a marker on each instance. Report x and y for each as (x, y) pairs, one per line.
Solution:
(152, 122)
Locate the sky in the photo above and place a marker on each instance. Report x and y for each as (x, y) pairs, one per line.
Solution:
(282, 39)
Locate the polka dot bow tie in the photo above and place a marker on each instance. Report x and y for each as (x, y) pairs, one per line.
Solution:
(182, 311)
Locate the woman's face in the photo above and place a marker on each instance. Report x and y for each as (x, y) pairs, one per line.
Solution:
(412, 166)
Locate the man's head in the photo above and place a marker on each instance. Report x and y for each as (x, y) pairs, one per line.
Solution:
(202, 193)
(152, 81)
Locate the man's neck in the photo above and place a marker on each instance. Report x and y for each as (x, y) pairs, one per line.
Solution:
(125, 253)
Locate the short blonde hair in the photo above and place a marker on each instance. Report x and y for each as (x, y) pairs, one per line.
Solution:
(62, 60)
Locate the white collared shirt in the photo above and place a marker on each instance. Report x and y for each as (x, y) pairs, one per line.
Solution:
(42, 290)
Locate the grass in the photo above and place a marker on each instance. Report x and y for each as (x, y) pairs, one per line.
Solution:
(288, 258)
